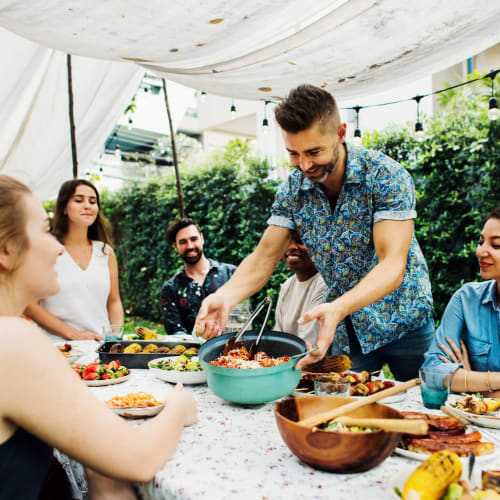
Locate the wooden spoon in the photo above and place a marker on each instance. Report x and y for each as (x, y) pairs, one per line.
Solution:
(417, 427)
(342, 410)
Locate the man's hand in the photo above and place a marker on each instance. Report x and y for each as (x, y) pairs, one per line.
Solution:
(328, 316)
(212, 316)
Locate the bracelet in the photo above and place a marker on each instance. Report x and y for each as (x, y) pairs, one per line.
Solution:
(465, 381)
(488, 385)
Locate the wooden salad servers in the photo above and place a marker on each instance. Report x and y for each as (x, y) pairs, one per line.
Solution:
(417, 427)
(349, 407)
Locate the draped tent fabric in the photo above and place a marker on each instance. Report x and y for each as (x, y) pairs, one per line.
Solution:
(261, 49)
(34, 137)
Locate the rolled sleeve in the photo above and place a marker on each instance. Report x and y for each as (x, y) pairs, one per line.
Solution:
(281, 212)
(394, 215)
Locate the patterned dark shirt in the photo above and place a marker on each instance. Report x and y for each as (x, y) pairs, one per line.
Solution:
(181, 296)
(340, 243)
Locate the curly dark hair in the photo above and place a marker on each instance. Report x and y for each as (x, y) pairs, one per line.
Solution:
(177, 225)
(100, 230)
(306, 105)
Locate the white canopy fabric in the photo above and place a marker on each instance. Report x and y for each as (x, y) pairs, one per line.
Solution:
(35, 142)
(261, 49)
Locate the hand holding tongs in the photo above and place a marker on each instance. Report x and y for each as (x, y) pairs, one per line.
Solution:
(231, 343)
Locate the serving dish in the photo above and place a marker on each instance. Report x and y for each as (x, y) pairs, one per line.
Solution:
(138, 360)
(72, 355)
(487, 420)
(420, 457)
(335, 451)
(134, 412)
(175, 376)
(253, 386)
(109, 381)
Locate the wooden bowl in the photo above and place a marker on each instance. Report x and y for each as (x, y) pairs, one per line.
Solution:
(335, 451)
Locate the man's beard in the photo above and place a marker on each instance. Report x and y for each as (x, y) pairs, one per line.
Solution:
(328, 168)
(192, 259)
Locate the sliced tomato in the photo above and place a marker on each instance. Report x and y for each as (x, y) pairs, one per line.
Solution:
(90, 376)
(77, 372)
(105, 376)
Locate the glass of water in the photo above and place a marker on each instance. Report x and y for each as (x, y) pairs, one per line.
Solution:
(331, 386)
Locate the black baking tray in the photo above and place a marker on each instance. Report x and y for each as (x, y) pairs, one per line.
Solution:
(138, 360)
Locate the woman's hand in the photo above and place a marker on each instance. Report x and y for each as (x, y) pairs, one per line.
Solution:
(185, 400)
(455, 355)
(85, 335)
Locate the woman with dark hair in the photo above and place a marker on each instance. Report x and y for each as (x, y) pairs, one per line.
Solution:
(89, 297)
(43, 403)
(468, 338)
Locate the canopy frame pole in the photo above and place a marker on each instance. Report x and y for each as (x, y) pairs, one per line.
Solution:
(174, 151)
(71, 117)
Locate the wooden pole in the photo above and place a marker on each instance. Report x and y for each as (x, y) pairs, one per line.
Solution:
(174, 151)
(71, 117)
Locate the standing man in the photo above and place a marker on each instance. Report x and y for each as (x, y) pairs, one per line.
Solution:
(181, 295)
(299, 293)
(354, 210)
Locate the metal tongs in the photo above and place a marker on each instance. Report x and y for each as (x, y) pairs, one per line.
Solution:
(233, 341)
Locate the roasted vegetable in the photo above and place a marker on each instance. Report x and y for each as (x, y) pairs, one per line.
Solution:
(150, 348)
(431, 479)
(178, 349)
(146, 333)
(132, 349)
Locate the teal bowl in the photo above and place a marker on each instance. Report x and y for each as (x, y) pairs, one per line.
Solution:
(254, 386)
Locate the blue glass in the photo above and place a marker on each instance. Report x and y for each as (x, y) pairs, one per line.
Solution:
(435, 387)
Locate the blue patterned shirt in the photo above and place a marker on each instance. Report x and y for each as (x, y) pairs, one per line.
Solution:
(341, 243)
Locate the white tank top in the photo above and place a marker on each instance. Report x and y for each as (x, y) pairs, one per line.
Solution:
(83, 295)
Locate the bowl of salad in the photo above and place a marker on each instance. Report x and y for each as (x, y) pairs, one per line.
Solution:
(184, 368)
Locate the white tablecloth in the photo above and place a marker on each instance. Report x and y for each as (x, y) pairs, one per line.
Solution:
(237, 452)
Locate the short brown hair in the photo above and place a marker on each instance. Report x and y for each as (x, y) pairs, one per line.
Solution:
(13, 214)
(494, 214)
(304, 106)
(177, 225)
(100, 230)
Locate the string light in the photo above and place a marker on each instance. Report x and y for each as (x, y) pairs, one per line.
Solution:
(493, 112)
(419, 128)
(357, 132)
(203, 96)
(265, 121)
(118, 153)
(233, 110)
(130, 121)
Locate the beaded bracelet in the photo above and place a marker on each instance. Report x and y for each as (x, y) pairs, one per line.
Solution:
(488, 385)
(465, 381)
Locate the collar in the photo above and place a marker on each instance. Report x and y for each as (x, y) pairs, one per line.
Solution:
(213, 264)
(353, 169)
(491, 294)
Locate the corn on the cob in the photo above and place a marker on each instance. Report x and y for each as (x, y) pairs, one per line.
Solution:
(339, 363)
(430, 480)
(146, 333)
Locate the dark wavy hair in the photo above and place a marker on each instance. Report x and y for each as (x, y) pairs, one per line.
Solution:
(304, 106)
(494, 214)
(100, 230)
(177, 225)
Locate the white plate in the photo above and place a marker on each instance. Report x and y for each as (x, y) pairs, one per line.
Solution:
(75, 353)
(492, 421)
(109, 381)
(137, 412)
(174, 376)
(424, 456)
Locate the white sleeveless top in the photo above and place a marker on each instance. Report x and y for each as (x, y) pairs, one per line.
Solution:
(83, 295)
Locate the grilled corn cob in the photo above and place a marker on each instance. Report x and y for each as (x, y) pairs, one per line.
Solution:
(339, 363)
(430, 480)
(133, 349)
(146, 333)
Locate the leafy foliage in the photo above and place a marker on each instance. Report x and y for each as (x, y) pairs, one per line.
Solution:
(230, 198)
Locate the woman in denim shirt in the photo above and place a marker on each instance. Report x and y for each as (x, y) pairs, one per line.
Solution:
(468, 338)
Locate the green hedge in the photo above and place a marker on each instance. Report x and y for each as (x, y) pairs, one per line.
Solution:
(230, 198)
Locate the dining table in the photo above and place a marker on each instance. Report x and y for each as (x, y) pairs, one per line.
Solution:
(236, 451)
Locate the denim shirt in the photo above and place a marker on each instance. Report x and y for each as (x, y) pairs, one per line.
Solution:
(181, 296)
(473, 315)
(341, 243)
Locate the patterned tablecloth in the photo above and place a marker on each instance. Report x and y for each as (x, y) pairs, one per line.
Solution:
(237, 452)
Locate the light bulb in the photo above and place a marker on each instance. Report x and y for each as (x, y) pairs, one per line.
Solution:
(493, 112)
(419, 132)
(203, 96)
(130, 121)
(233, 112)
(118, 153)
(357, 138)
(265, 125)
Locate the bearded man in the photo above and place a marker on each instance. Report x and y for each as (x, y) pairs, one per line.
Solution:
(354, 211)
(181, 295)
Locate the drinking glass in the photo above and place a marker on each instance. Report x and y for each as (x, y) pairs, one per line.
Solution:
(112, 332)
(331, 386)
(434, 386)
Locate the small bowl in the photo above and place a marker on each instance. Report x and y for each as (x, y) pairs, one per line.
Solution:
(137, 411)
(174, 376)
(335, 451)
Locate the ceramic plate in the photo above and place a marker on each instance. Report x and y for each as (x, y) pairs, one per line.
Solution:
(424, 456)
(109, 381)
(174, 376)
(73, 355)
(137, 412)
(491, 420)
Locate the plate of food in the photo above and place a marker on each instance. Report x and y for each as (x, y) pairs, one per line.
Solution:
(69, 352)
(184, 368)
(97, 374)
(477, 409)
(135, 405)
(445, 433)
